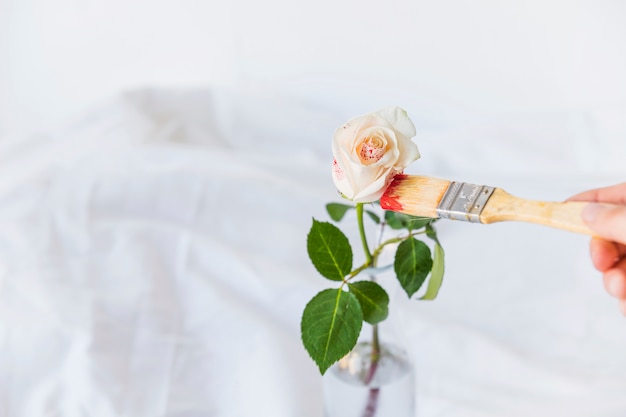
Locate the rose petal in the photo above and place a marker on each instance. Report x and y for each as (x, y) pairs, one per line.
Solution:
(370, 150)
(399, 119)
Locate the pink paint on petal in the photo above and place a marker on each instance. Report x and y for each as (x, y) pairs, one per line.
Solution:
(340, 175)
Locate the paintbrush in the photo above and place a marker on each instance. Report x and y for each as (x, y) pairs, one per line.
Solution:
(432, 197)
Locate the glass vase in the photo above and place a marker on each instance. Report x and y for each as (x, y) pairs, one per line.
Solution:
(376, 379)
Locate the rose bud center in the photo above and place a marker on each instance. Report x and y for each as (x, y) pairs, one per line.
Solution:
(371, 150)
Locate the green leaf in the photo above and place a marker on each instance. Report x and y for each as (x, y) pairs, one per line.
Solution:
(405, 221)
(330, 326)
(373, 299)
(436, 274)
(392, 220)
(373, 216)
(336, 211)
(431, 232)
(412, 264)
(329, 250)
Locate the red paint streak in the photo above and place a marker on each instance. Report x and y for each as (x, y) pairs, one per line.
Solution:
(390, 200)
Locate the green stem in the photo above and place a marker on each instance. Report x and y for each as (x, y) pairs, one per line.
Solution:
(374, 255)
(380, 247)
(370, 261)
(366, 249)
(372, 397)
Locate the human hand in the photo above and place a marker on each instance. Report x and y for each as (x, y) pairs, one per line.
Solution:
(608, 248)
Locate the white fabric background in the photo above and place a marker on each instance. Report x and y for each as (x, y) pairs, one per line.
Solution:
(460, 62)
(153, 263)
(152, 255)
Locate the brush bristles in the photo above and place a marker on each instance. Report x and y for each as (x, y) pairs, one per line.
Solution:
(414, 195)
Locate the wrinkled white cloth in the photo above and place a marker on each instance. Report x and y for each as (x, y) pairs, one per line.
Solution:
(153, 263)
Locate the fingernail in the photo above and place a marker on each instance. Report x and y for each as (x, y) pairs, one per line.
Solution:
(591, 212)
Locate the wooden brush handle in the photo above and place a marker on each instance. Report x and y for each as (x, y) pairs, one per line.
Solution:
(502, 206)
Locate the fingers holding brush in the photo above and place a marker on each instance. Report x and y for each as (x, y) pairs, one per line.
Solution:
(615, 194)
(605, 254)
(615, 281)
(609, 257)
(608, 248)
(607, 221)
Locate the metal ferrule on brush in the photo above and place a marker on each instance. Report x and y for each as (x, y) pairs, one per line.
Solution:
(463, 201)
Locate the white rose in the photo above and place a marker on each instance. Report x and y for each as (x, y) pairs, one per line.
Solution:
(370, 150)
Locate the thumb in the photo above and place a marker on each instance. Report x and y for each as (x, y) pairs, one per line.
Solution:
(607, 220)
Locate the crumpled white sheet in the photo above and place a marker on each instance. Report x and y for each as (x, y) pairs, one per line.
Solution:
(153, 263)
